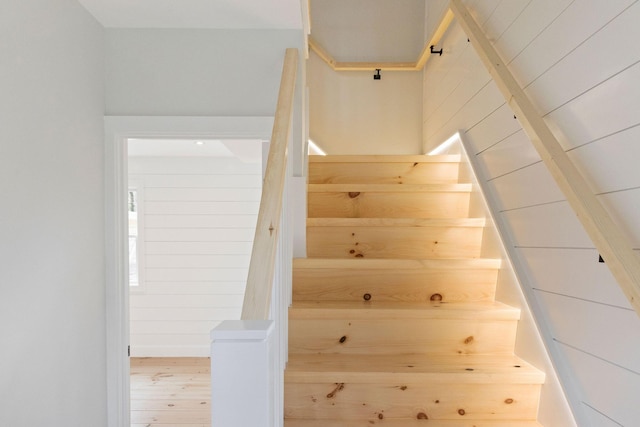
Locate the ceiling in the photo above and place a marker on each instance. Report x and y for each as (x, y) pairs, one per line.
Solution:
(221, 14)
(246, 150)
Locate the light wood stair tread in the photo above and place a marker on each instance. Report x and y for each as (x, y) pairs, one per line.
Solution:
(402, 310)
(397, 264)
(389, 188)
(396, 222)
(411, 368)
(381, 158)
(409, 423)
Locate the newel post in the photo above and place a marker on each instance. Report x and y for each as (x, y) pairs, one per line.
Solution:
(242, 374)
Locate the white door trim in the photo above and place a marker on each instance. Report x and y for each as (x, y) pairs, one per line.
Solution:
(117, 130)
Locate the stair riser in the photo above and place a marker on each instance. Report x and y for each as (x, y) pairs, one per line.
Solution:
(322, 284)
(387, 205)
(383, 173)
(389, 336)
(393, 401)
(394, 242)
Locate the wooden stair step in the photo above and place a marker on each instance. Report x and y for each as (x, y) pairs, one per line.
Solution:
(398, 422)
(392, 328)
(410, 369)
(388, 201)
(397, 400)
(384, 158)
(394, 238)
(368, 310)
(448, 280)
(383, 169)
(389, 188)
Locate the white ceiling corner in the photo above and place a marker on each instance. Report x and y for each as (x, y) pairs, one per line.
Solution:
(215, 14)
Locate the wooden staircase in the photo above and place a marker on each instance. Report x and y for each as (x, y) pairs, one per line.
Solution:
(394, 320)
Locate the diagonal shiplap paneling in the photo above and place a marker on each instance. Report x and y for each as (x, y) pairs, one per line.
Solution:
(578, 61)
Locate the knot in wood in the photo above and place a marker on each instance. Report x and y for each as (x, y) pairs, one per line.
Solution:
(354, 194)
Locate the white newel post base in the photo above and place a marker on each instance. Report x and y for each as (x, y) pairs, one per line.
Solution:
(242, 374)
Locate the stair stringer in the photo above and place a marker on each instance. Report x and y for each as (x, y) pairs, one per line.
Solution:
(532, 336)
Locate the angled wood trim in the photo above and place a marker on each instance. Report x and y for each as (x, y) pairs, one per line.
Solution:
(435, 39)
(614, 246)
(257, 298)
(386, 66)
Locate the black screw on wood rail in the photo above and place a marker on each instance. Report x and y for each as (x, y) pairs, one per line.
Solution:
(439, 52)
(377, 75)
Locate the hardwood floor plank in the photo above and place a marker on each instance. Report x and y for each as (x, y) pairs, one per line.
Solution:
(170, 392)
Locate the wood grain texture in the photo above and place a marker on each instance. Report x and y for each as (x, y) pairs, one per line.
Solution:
(332, 204)
(449, 280)
(170, 391)
(394, 242)
(384, 173)
(257, 299)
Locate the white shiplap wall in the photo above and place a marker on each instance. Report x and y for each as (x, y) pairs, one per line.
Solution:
(579, 61)
(199, 220)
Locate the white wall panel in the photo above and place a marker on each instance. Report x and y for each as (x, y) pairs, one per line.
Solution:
(573, 272)
(187, 194)
(552, 226)
(199, 234)
(610, 389)
(222, 179)
(513, 153)
(195, 248)
(598, 58)
(587, 325)
(500, 124)
(472, 112)
(202, 208)
(583, 61)
(604, 110)
(447, 71)
(197, 261)
(536, 16)
(167, 314)
(584, 18)
(199, 224)
(502, 17)
(200, 221)
(610, 164)
(624, 207)
(530, 186)
(196, 274)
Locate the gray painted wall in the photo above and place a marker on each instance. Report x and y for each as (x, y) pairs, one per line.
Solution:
(579, 63)
(52, 295)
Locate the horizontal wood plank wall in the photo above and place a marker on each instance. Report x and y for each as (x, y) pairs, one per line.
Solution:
(574, 59)
(199, 218)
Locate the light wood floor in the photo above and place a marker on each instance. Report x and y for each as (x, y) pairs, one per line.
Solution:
(170, 392)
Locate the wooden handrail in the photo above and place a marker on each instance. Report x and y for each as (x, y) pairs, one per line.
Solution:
(386, 66)
(257, 298)
(612, 244)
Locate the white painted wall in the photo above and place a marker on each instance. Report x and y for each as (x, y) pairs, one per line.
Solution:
(350, 113)
(577, 61)
(52, 294)
(199, 221)
(206, 72)
(344, 105)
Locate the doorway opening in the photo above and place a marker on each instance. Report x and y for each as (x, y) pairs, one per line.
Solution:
(192, 206)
